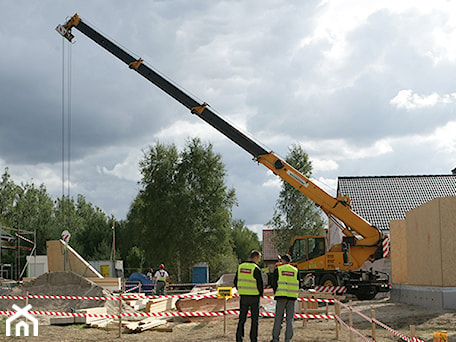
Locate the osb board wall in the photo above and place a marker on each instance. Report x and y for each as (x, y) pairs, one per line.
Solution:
(431, 230)
(398, 252)
(448, 238)
(65, 258)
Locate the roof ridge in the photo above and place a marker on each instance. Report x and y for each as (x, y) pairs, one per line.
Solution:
(397, 176)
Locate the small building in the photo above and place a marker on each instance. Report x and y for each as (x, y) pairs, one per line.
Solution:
(423, 250)
(36, 265)
(270, 253)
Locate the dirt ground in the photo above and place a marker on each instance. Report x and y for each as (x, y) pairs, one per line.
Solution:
(397, 316)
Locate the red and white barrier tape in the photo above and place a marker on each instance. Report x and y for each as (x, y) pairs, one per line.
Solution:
(133, 288)
(383, 325)
(331, 289)
(136, 297)
(160, 314)
(58, 297)
(353, 329)
(397, 333)
(386, 246)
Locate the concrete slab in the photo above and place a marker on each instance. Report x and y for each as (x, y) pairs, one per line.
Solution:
(443, 298)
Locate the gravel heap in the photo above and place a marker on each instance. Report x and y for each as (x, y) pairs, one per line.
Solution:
(61, 284)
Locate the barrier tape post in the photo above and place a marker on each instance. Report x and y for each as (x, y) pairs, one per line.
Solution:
(224, 293)
(351, 320)
(120, 317)
(224, 316)
(412, 331)
(337, 312)
(373, 324)
(304, 321)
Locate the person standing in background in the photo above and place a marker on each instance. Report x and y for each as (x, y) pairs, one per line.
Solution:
(161, 277)
(150, 274)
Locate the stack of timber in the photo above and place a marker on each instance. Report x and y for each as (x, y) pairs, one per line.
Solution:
(145, 324)
(96, 322)
(208, 302)
(152, 305)
(161, 304)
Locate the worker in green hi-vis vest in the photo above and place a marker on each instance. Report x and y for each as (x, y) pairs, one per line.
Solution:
(285, 283)
(249, 283)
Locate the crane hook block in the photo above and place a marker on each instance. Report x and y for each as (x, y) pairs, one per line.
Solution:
(199, 109)
(65, 30)
(135, 64)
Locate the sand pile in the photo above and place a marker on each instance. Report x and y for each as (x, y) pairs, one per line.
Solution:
(61, 284)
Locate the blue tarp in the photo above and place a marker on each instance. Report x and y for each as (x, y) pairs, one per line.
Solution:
(135, 278)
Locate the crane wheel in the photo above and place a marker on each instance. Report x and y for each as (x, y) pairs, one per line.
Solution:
(367, 293)
(328, 280)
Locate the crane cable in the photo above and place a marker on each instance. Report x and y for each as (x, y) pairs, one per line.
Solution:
(66, 123)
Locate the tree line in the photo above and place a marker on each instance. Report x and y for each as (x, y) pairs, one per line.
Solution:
(181, 216)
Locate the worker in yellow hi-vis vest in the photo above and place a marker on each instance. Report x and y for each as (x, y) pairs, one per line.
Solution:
(249, 283)
(285, 283)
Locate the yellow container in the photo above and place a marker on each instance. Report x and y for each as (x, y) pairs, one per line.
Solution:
(440, 336)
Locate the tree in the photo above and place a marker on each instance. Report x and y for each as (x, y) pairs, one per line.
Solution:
(244, 240)
(135, 257)
(183, 211)
(90, 228)
(95, 235)
(295, 214)
(27, 210)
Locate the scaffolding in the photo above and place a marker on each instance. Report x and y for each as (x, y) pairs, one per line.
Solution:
(18, 241)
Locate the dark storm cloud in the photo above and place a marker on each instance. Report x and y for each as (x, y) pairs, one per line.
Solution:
(279, 70)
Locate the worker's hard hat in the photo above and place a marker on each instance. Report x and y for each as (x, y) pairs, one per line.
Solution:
(162, 266)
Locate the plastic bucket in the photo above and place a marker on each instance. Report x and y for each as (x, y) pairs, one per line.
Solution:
(440, 336)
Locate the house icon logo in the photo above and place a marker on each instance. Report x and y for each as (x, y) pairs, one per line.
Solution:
(22, 325)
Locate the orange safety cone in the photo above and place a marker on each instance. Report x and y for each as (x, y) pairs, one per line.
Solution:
(440, 336)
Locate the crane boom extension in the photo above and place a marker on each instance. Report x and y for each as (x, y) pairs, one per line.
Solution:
(338, 207)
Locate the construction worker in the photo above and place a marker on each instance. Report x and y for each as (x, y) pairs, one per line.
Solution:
(150, 274)
(161, 277)
(285, 283)
(249, 283)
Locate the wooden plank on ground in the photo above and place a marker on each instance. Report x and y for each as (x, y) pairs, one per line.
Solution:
(61, 320)
(111, 284)
(145, 324)
(100, 323)
(100, 310)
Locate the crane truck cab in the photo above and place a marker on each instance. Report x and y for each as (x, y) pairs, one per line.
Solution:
(335, 267)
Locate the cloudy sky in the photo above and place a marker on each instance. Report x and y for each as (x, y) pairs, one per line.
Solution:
(366, 87)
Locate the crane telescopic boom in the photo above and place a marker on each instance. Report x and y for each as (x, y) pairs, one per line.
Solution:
(339, 207)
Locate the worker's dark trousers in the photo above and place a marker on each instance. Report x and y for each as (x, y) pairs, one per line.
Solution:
(283, 305)
(252, 303)
(160, 287)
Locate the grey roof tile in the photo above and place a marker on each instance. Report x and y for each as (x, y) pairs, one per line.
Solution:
(380, 199)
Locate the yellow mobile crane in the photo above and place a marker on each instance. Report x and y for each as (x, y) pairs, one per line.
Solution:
(338, 265)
